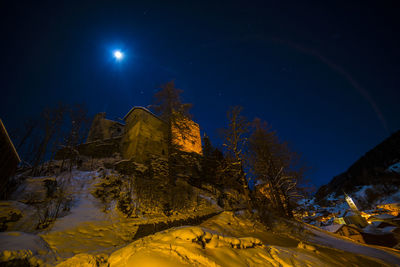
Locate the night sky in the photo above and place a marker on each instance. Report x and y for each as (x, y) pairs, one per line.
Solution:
(324, 76)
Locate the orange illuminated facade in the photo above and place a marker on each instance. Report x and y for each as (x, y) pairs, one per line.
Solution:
(190, 141)
(143, 134)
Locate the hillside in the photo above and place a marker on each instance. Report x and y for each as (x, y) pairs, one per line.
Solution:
(94, 226)
(371, 169)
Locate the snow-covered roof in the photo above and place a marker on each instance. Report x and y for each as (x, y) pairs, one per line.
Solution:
(376, 223)
(348, 212)
(389, 229)
(351, 213)
(259, 182)
(384, 216)
(142, 108)
(371, 229)
(333, 228)
(394, 168)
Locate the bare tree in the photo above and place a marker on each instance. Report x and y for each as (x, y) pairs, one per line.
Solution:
(23, 136)
(29, 126)
(52, 121)
(273, 163)
(235, 138)
(78, 127)
(58, 199)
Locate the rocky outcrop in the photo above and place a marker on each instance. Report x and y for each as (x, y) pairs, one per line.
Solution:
(152, 228)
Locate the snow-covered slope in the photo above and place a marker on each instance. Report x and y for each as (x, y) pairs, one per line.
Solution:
(330, 240)
(88, 224)
(94, 232)
(95, 226)
(242, 243)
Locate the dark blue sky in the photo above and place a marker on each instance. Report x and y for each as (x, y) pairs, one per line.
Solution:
(324, 75)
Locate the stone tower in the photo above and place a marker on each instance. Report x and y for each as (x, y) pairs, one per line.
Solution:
(143, 134)
(351, 203)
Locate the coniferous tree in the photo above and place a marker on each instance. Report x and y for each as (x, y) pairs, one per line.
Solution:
(208, 149)
(211, 160)
(169, 107)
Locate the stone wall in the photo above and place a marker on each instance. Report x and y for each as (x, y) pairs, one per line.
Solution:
(144, 135)
(190, 141)
(103, 128)
(96, 149)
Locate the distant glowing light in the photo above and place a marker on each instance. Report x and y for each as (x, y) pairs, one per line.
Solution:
(118, 55)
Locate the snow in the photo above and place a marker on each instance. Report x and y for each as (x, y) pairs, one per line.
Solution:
(190, 246)
(89, 236)
(223, 240)
(210, 199)
(331, 197)
(88, 228)
(389, 229)
(338, 242)
(394, 168)
(333, 228)
(85, 207)
(394, 198)
(384, 216)
(372, 229)
(376, 223)
(19, 245)
(85, 260)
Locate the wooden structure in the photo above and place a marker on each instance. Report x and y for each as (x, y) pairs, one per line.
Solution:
(346, 230)
(351, 217)
(9, 160)
(392, 208)
(103, 128)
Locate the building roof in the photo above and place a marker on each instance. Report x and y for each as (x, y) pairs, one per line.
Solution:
(147, 110)
(396, 204)
(377, 223)
(345, 213)
(333, 228)
(389, 229)
(384, 216)
(9, 140)
(142, 108)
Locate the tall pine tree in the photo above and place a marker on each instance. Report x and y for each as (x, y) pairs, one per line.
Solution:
(168, 105)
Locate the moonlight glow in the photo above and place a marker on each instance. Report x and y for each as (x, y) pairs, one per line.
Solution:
(118, 55)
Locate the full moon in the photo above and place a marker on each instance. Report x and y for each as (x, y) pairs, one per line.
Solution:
(118, 54)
